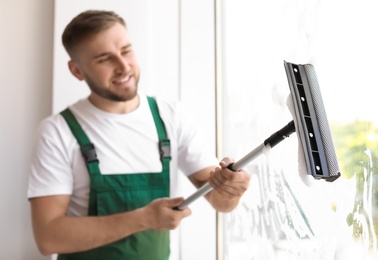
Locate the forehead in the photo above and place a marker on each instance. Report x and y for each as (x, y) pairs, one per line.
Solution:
(109, 40)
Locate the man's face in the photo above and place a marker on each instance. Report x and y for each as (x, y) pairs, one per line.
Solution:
(107, 63)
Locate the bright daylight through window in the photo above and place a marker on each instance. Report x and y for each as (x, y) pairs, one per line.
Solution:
(281, 217)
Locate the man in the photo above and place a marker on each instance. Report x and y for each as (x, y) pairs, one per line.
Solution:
(103, 171)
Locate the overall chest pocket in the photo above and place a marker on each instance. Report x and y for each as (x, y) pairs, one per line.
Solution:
(112, 194)
(111, 201)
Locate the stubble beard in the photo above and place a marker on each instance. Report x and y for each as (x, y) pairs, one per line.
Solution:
(121, 96)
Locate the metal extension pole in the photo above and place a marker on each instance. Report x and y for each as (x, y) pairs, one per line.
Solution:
(274, 139)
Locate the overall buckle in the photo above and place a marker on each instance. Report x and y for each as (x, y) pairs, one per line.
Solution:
(165, 149)
(89, 153)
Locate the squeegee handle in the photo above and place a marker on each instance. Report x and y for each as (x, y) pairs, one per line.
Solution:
(280, 135)
(206, 188)
(274, 139)
(203, 190)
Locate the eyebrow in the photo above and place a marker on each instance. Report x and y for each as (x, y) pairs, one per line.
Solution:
(108, 53)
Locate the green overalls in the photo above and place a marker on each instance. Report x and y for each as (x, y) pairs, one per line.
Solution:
(117, 193)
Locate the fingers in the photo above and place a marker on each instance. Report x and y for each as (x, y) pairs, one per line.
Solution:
(225, 162)
(162, 215)
(173, 202)
(227, 174)
(228, 183)
(227, 188)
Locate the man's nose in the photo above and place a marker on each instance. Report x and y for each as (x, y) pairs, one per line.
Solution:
(122, 65)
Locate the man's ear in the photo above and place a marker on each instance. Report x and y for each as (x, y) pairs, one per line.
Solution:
(75, 70)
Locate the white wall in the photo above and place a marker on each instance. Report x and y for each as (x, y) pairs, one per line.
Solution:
(25, 74)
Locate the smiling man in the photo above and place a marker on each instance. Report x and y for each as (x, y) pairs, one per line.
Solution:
(109, 67)
(101, 174)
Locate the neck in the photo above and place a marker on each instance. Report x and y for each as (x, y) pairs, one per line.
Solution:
(115, 107)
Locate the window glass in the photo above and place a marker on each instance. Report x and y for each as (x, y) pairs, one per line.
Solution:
(282, 216)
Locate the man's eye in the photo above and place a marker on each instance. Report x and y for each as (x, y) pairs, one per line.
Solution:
(103, 60)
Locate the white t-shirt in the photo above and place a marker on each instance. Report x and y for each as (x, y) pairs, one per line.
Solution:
(125, 143)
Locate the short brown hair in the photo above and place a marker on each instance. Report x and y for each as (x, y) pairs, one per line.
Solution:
(87, 24)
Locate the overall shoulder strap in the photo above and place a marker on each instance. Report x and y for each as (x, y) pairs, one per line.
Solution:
(164, 142)
(86, 146)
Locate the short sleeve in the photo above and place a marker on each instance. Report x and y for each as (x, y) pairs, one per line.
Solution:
(51, 173)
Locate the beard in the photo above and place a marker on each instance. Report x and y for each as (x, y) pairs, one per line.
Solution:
(118, 96)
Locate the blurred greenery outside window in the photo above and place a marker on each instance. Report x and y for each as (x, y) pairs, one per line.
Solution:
(356, 144)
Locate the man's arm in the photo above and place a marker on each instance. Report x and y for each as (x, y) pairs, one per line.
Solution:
(55, 232)
(228, 186)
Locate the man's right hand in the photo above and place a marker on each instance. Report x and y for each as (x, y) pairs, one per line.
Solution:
(55, 232)
(161, 215)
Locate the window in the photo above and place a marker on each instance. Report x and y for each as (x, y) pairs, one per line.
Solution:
(281, 217)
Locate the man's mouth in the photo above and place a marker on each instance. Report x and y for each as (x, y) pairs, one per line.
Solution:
(122, 80)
